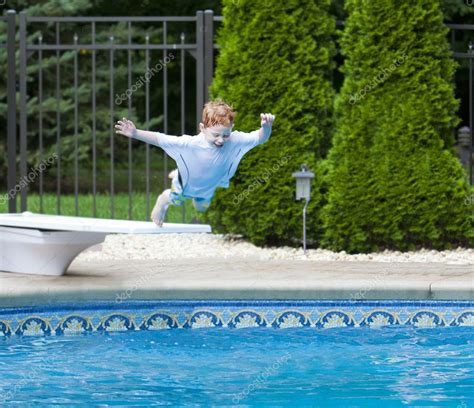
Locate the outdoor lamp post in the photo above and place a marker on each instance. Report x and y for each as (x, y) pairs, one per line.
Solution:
(303, 190)
(464, 146)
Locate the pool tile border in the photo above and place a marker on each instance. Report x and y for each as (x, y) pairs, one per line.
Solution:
(111, 317)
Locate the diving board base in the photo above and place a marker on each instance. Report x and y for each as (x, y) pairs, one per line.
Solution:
(43, 252)
(43, 244)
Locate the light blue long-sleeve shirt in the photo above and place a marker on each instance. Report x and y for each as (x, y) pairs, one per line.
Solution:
(202, 165)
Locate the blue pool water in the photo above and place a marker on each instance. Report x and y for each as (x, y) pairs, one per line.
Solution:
(399, 366)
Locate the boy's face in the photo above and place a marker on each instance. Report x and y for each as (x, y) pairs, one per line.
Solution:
(216, 135)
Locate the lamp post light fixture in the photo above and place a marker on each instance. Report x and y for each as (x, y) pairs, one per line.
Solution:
(303, 190)
(464, 147)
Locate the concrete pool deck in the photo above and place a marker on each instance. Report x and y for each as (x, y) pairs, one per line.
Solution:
(240, 278)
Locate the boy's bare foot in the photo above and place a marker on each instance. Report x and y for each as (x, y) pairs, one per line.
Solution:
(159, 211)
(172, 173)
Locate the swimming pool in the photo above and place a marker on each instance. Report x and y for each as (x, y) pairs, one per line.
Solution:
(129, 353)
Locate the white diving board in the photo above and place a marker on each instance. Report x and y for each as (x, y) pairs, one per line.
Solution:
(47, 244)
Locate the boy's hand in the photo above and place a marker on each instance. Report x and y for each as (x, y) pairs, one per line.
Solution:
(267, 119)
(266, 126)
(125, 127)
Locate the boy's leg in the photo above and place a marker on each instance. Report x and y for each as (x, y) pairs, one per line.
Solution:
(170, 196)
(159, 211)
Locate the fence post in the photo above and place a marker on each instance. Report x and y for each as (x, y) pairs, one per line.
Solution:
(11, 101)
(471, 113)
(23, 113)
(199, 66)
(208, 51)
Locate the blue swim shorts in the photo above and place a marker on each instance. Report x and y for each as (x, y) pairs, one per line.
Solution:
(177, 197)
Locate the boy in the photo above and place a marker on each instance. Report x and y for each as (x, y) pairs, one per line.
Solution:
(205, 161)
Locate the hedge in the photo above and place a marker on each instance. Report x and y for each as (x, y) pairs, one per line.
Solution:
(276, 58)
(394, 180)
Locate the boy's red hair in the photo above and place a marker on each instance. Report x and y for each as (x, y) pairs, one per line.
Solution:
(218, 113)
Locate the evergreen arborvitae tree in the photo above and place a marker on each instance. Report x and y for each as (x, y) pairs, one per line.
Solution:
(86, 114)
(276, 58)
(394, 180)
(40, 8)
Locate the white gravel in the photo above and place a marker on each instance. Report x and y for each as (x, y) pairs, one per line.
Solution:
(188, 246)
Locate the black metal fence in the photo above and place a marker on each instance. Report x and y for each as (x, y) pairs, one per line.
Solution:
(32, 48)
(11, 101)
(469, 54)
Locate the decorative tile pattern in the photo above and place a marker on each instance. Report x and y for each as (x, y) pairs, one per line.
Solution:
(117, 323)
(202, 319)
(464, 319)
(34, 326)
(247, 318)
(74, 324)
(159, 321)
(108, 317)
(335, 318)
(426, 318)
(379, 318)
(291, 318)
(5, 329)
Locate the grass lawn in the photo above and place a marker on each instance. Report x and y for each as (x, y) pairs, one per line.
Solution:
(185, 213)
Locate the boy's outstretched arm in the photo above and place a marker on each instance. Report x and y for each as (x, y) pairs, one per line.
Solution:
(258, 136)
(266, 126)
(127, 128)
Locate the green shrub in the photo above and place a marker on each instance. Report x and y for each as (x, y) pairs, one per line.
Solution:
(394, 180)
(275, 58)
